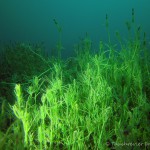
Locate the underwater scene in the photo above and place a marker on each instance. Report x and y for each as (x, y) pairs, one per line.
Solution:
(74, 75)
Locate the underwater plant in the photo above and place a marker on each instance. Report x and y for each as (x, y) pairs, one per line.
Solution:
(59, 46)
(89, 101)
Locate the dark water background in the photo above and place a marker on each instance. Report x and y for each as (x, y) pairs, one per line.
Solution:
(32, 20)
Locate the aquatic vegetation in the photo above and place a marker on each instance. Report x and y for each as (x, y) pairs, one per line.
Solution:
(89, 101)
(59, 46)
(19, 61)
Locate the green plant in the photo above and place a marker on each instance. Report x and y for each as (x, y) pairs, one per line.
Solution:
(59, 46)
(90, 101)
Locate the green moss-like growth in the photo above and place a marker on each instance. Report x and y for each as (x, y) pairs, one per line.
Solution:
(21, 61)
(90, 101)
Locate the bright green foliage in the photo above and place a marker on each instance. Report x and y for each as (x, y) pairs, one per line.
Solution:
(103, 102)
(91, 101)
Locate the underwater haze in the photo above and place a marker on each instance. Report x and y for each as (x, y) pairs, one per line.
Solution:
(32, 20)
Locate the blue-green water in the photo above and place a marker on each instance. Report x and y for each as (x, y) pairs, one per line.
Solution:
(32, 20)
